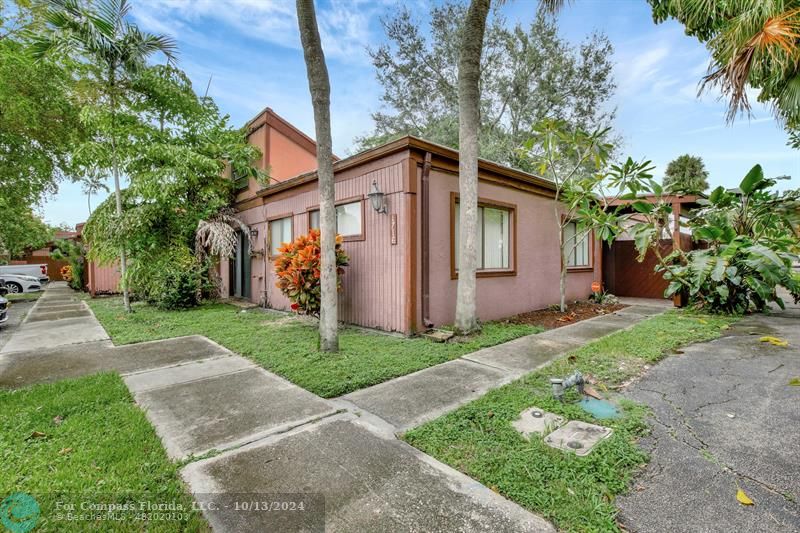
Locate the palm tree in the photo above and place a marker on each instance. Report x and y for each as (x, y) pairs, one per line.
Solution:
(320, 88)
(101, 35)
(92, 183)
(469, 96)
(753, 43)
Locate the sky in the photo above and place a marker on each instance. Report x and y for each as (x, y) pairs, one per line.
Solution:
(248, 54)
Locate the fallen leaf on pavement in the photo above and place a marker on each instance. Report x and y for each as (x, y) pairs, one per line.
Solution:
(794, 382)
(742, 498)
(775, 341)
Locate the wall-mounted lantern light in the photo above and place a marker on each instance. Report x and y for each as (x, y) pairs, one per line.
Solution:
(253, 233)
(377, 198)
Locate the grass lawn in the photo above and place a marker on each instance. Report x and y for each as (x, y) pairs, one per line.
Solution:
(24, 297)
(575, 493)
(85, 440)
(290, 348)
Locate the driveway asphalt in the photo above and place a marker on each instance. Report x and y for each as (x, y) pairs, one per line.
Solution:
(16, 313)
(724, 417)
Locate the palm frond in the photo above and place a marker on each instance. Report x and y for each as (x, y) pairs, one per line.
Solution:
(552, 6)
(219, 235)
(754, 37)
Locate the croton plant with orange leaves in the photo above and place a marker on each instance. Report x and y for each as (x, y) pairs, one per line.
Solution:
(297, 268)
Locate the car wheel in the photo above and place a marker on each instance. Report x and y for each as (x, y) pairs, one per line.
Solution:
(13, 288)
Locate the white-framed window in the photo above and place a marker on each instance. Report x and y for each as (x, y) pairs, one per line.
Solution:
(578, 252)
(494, 237)
(280, 231)
(348, 219)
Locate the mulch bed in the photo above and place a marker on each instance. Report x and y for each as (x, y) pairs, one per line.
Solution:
(550, 318)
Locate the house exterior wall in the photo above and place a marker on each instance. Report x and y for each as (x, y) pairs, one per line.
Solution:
(374, 285)
(536, 283)
(102, 279)
(287, 159)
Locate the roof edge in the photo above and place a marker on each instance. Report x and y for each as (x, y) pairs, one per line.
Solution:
(408, 142)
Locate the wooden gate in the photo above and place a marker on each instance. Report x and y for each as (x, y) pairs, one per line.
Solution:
(624, 275)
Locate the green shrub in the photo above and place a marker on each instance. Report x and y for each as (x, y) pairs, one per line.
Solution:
(174, 280)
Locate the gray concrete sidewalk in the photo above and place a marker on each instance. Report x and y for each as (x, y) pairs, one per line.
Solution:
(724, 417)
(356, 478)
(408, 401)
(273, 437)
(58, 318)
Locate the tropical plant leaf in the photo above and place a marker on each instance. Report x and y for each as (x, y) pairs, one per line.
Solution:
(751, 180)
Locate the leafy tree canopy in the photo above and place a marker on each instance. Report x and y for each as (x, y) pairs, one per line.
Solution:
(527, 74)
(176, 147)
(21, 229)
(686, 174)
(39, 115)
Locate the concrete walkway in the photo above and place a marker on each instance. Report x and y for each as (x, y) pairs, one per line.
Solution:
(271, 439)
(408, 401)
(724, 417)
(57, 318)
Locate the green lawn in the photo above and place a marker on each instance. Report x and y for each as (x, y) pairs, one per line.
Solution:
(290, 348)
(575, 493)
(24, 297)
(85, 440)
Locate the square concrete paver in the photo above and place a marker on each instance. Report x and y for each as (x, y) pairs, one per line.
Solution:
(20, 369)
(369, 484)
(48, 334)
(226, 410)
(411, 400)
(42, 314)
(523, 355)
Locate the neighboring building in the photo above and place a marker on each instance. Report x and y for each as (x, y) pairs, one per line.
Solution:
(43, 255)
(403, 262)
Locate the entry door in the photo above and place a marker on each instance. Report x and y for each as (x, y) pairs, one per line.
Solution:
(241, 268)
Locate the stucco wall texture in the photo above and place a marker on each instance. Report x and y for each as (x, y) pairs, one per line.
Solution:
(377, 285)
(536, 283)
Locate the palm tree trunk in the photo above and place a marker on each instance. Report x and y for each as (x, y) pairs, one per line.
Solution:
(320, 89)
(469, 75)
(117, 189)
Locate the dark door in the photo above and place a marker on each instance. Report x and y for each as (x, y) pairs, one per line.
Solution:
(246, 265)
(240, 268)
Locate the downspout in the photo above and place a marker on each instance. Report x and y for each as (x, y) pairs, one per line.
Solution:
(426, 239)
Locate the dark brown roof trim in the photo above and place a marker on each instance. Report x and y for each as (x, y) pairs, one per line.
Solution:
(527, 181)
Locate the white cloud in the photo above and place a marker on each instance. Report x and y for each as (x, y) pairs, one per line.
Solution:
(345, 25)
(641, 68)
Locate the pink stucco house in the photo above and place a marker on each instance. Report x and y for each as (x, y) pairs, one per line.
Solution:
(403, 272)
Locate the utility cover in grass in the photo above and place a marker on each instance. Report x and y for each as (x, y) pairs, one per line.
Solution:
(577, 437)
(535, 420)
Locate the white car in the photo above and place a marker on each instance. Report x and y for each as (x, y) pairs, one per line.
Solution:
(37, 271)
(16, 283)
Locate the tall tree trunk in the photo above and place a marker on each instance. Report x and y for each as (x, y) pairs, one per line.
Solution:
(123, 266)
(320, 88)
(562, 279)
(469, 77)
